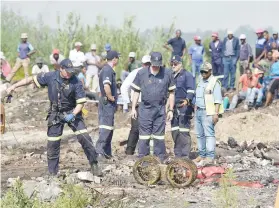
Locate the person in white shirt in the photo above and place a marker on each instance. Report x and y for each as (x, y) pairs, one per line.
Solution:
(93, 62)
(39, 67)
(125, 89)
(55, 58)
(76, 56)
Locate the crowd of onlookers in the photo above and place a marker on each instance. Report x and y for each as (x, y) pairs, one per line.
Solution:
(258, 71)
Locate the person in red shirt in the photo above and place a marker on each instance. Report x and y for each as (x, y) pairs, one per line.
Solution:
(5, 66)
(248, 82)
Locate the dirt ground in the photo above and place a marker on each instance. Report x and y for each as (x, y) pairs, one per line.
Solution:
(23, 152)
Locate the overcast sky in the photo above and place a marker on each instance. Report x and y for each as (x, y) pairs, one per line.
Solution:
(190, 16)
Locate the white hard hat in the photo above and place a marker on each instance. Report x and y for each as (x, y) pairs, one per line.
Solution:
(2, 55)
(24, 35)
(242, 36)
(145, 59)
(230, 32)
(93, 47)
(132, 55)
(78, 44)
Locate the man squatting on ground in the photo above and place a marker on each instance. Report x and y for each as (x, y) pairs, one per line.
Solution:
(67, 98)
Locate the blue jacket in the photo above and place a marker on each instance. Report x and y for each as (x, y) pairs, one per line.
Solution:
(236, 46)
(216, 52)
(185, 86)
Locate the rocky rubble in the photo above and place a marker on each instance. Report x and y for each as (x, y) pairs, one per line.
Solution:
(251, 152)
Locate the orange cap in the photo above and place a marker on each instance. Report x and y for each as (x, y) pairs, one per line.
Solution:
(55, 51)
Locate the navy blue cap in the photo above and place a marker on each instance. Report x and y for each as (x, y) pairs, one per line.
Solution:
(67, 65)
(112, 54)
(156, 59)
(176, 58)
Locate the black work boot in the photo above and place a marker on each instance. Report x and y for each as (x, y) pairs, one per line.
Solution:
(96, 170)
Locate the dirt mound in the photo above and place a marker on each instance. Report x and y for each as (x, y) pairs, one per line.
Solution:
(255, 125)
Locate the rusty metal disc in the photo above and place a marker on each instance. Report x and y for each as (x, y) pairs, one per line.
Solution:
(181, 173)
(147, 171)
(194, 168)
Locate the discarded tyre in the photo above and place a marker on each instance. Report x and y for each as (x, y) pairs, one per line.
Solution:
(194, 168)
(181, 173)
(147, 171)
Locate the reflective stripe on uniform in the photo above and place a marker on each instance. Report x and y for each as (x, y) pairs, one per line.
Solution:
(175, 128)
(184, 130)
(81, 100)
(36, 82)
(190, 91)
(144, 136)
(172, 88)
(54, 138)
(158, 137)
(107, 82)
(220, 76)
(80, 131)
(135, 86)
(106, 127)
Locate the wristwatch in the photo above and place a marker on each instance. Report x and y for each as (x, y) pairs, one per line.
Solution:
(170, 110)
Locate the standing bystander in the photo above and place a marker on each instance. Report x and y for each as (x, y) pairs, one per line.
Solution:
(25, 50)
(93, 62)
(245, 54)
(215, 47)
(196, 53)
(208, 108)
(178, 45)
(76, 55)
(230, 56)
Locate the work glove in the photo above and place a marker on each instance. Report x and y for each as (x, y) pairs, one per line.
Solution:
(69, 117)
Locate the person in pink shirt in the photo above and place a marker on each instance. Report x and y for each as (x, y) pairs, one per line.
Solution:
(248, 81)
(5, 66)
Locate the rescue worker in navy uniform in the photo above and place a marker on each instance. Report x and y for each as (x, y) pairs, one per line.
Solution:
(184, 94)
(154, 83)
(107, 105)
(67, 98)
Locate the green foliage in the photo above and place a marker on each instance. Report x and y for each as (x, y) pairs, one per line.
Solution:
(73, 196)
(227, 195)
(15, 198)
(125, 39)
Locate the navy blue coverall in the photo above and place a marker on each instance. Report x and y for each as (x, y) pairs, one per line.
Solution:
(64, 95)
(180, 124)
(152, 112)
(106, 111)
(216, 58)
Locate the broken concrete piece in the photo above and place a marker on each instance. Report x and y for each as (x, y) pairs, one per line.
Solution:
(48, 191)
(85, 176)
(11, 182)
(109, 168)
(97, 179)
(223, 152)
(233, 159)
